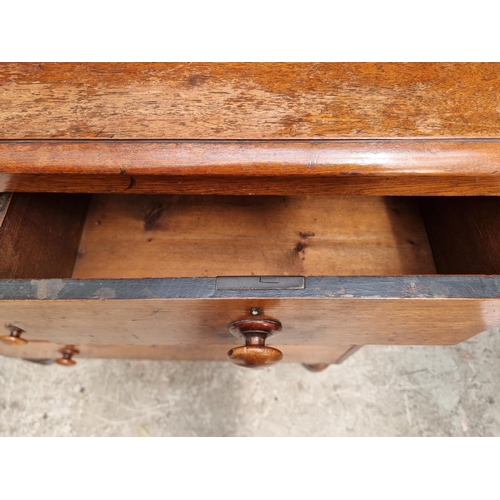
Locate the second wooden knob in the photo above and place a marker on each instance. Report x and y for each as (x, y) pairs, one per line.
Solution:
(255, 353)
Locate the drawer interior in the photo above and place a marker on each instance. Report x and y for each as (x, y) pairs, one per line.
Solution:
(208, 236)
(163, 236)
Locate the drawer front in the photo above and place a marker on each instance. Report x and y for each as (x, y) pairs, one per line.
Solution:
(327, 311)
(47, 352)
(103, 258)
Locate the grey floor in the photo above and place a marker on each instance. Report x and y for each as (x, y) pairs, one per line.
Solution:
(379, 391)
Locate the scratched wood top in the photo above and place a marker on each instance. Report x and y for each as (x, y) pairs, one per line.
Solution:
(249, 101)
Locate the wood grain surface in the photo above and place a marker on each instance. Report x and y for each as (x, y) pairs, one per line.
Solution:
(327, 321)
(40, 235)
(200, 167)
(367, 158)
(193, 236)
(5, 200)
(328, 311)
(334, 128)
(464, 233)
(248, 100)
(409, 185)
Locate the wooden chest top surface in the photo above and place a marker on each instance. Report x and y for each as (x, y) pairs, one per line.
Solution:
(249, 101)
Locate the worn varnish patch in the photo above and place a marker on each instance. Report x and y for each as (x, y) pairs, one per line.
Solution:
(248, 100)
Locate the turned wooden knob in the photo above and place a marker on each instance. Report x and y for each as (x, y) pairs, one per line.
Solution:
(66, 360)
(255, 353)
(15, 336)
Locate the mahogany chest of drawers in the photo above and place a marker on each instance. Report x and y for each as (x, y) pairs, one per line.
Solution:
(295, 211)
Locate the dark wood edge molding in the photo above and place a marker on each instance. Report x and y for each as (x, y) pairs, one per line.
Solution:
(338, 167)
(358, 287)
(439, 158)
(409, 185)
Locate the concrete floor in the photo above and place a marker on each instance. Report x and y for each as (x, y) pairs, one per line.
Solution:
(379, 391)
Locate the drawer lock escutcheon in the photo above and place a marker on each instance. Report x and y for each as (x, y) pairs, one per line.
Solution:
(260, 283)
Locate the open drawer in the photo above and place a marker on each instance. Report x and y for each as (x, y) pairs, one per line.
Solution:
(168, 270)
